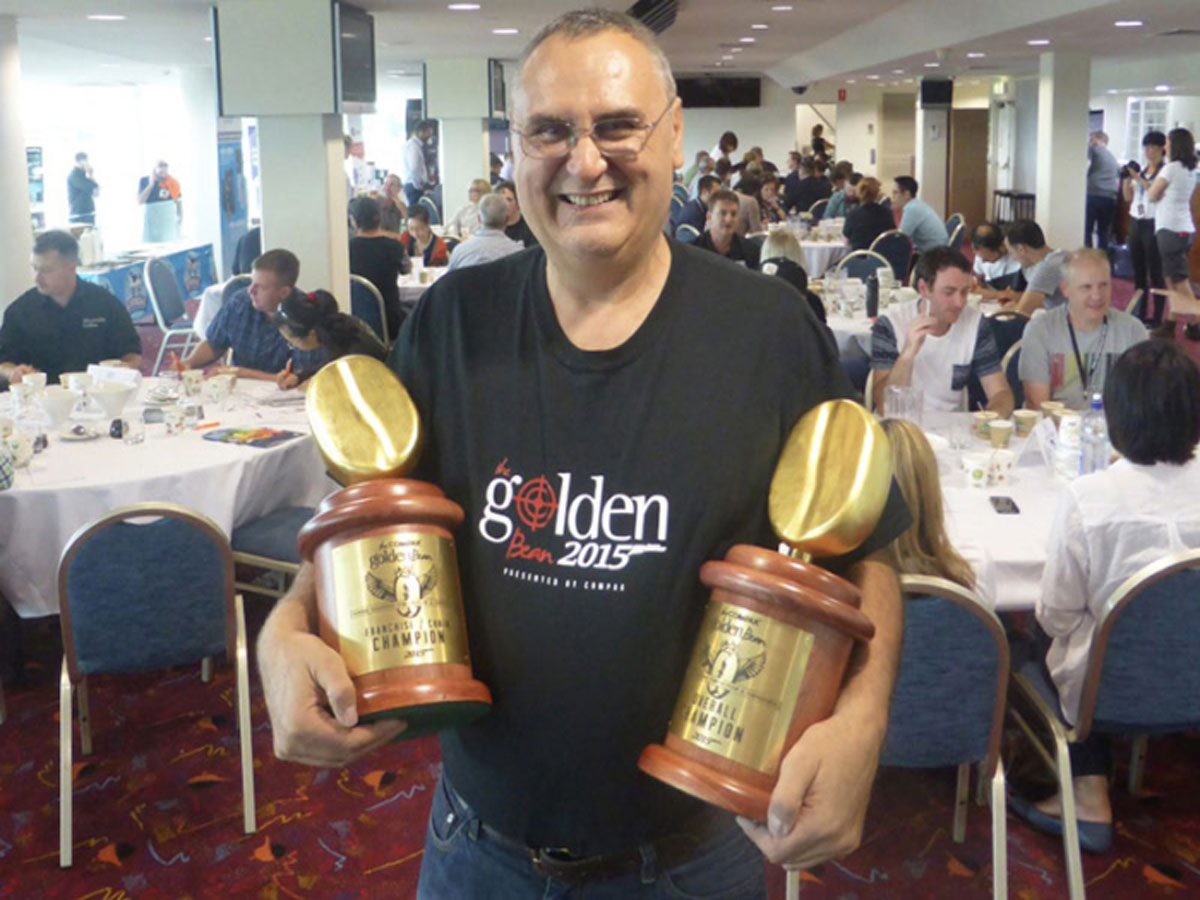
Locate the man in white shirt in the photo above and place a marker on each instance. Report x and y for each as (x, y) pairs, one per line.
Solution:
(996, 273)
(1066, 354)
(416, 172)
(939, 342)
(1108, 526)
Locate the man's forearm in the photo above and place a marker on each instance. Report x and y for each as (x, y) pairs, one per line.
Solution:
(201, 356)
(1031, 302)
(867, 689)
(132, 360)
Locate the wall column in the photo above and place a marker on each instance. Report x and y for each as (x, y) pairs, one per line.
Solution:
(1062, 129)
(933, 154)
(15, 277)
(458, 97)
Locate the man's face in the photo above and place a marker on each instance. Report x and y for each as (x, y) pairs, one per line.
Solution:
(424, 133)
(266, 290)
(81, 163)
(514, 208)
(723, 220)
(160, 170)
(947, 295)
(706, 164)
(586, 206)
(1019, 252)
(851, 192)
(391, 186)
(53, 274)
(900, 196)
(770, 191)
(1088, 287)
(987, 254)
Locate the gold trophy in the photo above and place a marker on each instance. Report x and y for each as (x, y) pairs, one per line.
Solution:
(778, 632)
(388, 596)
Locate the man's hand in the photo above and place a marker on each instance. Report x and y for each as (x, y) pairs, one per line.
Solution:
(301, 675)
(14, 373)
(287, 379)
(915, 336)
(820, 801)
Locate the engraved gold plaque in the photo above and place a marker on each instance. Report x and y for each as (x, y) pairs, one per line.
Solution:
(832, 480)
(741, 686)
(363, 420)
(400, 602)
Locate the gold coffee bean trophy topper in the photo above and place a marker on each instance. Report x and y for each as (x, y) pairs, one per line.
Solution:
(778, 632)
(388, 596)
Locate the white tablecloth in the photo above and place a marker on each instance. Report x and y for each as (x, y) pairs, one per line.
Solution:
(852, 333)
(1015, 544)
(820, 256)
(72, 483)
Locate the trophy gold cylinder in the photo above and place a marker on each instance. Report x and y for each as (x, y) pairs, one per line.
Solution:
(384, 559)
(768, 662)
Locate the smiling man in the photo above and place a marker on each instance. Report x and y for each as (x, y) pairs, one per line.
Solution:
(722, 237)
(642, 390)
(939, 342)
(1066, 354)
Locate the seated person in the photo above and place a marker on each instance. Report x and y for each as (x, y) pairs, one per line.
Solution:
(807, 189)
(63, 323)
(379, 257)
(917, 218)
(489, 241)
(392, 208)
(768, 202)
(749, 215)
(1108, 526)
(246, 323)
(782, 257)
(515, 226)
(1041, 266)
(702, 166)
(838, 176)
(938, 342)
(997, 275)
(925, 549)
(248, 249)
(464, 222)
(313, 324)
(420, 240)
(721, 237)
(695, 211)
(866, 219)
(1067, 353)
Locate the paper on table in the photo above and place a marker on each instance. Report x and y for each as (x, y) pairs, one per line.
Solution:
(1047, 439)
(114, 375)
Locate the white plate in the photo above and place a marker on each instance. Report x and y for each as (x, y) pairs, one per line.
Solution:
(69, 435)
(161, 401)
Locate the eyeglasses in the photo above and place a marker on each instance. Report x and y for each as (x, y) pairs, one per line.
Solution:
(621, 137)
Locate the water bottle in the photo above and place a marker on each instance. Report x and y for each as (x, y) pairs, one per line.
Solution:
(872, 296)
(1094, 439)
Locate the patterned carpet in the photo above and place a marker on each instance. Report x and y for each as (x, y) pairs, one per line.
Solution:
(157, 811)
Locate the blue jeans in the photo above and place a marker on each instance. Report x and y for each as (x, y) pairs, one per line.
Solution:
(462, 863)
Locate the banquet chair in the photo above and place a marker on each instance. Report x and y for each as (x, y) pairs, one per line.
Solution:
(952, 224)
(1141, 678)
(861, 264)
(1134, 302)
(896, 247)
(269, 542)
(956, 236)
(232, 286)
(817, 210)
(678, 190)
(366, 303)
(676, 207)
(688, 234)
(1008, 327)
(176, 608)
(166, 299)
(947, 707)
(435, 218)
(1011, 366)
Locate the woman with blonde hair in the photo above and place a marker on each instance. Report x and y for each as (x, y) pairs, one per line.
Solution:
(465, 222)
(925, 548)
(782, 257)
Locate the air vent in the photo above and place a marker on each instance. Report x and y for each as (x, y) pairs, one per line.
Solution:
(1181, 32)
(657, 15)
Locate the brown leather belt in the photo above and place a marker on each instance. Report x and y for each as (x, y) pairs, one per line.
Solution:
(670, 851)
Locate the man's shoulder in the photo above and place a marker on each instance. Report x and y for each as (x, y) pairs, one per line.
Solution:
(91, 292)
(1048, 326)
(26, 303)
(1127, 326)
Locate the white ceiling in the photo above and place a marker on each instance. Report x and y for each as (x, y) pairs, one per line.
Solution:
(59, 44)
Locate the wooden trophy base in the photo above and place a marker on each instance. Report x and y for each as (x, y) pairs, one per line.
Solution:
(706, 783)
(427, 706)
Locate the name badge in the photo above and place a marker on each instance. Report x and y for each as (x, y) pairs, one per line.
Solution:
(94, 322)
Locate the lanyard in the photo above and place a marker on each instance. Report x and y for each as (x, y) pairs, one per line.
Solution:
(1091, 370)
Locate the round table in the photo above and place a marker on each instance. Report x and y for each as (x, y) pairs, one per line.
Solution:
(1014, 546)
(821, 256)
(72, 483)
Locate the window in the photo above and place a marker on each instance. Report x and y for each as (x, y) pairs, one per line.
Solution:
(1144, 114)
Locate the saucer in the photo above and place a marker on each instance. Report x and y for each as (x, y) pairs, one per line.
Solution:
(78, 433)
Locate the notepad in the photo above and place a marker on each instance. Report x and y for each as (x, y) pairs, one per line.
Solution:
(252, 437)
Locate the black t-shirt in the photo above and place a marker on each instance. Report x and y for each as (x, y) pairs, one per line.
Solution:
(741, 250)
(519, 231)
(381, 260)
(595, 485)
(94, 325)
(865, 222)
(81, 192)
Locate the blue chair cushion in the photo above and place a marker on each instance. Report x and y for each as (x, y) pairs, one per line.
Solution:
(273, 535)
(145, 597)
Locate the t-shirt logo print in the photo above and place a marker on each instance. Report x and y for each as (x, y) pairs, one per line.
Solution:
(568, 520)
(407, 590)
